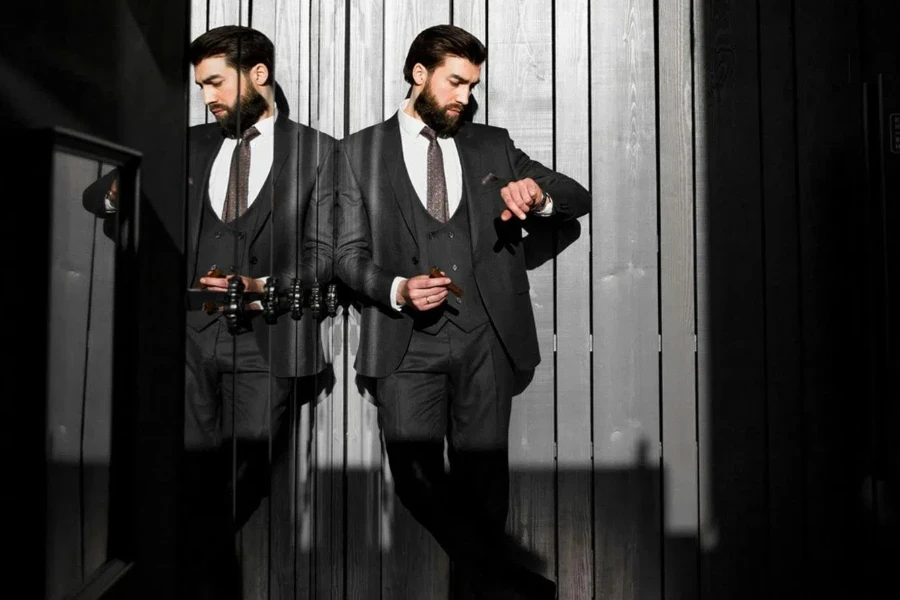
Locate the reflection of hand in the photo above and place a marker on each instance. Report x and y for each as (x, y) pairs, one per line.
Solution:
(112, 196)
(422, 292)
(220, 284)
(520, 197)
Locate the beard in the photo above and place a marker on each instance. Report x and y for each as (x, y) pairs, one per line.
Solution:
(250, 107)
(435, 115)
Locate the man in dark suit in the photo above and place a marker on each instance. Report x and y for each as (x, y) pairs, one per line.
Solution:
(259, 206)
(427, 189)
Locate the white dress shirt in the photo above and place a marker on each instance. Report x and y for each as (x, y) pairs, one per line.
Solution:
(262, 152)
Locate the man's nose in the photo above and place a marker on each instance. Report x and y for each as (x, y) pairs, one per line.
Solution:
(209, 97)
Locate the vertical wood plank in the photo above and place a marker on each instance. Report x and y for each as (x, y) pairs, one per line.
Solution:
(197, 113)
(403, 20)
(414, 565)
(573, 297)
(677, 323)
(786, 452)
(520, 98)
(227, 12)
(364, 459)
(730, 305)
(829, 172)
(471, 15)
(625, 301)
(326, 105)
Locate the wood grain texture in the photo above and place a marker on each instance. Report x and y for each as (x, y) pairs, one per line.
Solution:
(403, 20)
(520, 98)
(730, 306)
(227, 12)
(573, 296)
(677, 298)
(197, 112)
(471, 15)
(625, 301)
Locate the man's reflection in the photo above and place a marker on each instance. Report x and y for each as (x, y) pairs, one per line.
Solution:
(259, 206)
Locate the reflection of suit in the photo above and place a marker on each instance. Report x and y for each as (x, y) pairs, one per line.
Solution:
(447, 372)
(290, 237)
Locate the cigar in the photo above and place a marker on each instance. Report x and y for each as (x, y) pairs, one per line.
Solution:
(451, 287)
(210, 307)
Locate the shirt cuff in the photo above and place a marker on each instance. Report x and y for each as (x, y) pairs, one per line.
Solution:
(394, 287)
(547, 210)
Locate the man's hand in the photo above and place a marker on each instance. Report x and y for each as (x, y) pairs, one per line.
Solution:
(520, 197)
(220, 284)
(423, 292)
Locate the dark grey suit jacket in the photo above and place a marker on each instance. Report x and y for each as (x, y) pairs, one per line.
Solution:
(376, 237)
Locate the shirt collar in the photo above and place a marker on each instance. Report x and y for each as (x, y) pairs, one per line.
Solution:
(266, 127)
(409, 125)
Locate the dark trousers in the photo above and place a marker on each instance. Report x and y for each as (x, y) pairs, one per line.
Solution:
(233, 412)
(458, 385)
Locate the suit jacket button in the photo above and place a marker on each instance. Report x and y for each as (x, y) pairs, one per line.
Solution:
(415, 260)
(218, 234)
(253, 260)
(241, 235)
(451, 235)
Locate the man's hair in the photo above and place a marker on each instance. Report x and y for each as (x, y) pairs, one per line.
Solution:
(434, 44)
(242, 47)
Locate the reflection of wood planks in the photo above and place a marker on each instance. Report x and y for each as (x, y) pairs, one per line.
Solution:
(471, 15)
(573, 296)
(520, 98)
(625, 300)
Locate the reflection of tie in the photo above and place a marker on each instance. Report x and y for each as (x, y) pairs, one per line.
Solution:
(239, 178)
(437, 183)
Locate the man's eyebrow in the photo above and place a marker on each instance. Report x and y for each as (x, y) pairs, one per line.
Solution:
(211, 77)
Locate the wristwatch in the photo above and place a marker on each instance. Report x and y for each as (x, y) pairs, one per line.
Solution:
(545, 198)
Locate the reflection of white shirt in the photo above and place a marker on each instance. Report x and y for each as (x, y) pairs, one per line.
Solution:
(415, 155)
(262, 152)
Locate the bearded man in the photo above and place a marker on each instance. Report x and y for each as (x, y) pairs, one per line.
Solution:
(430, 214)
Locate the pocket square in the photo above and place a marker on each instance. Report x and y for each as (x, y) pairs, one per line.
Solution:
(488, 179)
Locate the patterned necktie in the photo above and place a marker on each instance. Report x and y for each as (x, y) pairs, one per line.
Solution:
(239, 178)
(437, 182)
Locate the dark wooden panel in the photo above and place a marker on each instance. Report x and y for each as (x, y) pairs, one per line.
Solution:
(829, 168)
(625, 302)
(677, 301)
(730, 307)
(414, 566)
(573, 307)
(97, 433)
(786, 451)
(69, 288)
(520, 98)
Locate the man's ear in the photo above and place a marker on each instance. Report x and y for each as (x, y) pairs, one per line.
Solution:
(420, 74)
(259, 74)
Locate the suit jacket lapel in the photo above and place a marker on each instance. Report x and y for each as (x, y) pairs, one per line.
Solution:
(207, 150)
(472, 167)
(387, 141)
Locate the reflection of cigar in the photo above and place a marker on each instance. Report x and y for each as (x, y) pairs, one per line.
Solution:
(215, 271)
(451, 287)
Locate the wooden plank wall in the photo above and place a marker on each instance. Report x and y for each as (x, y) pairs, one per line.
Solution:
(676, 438)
